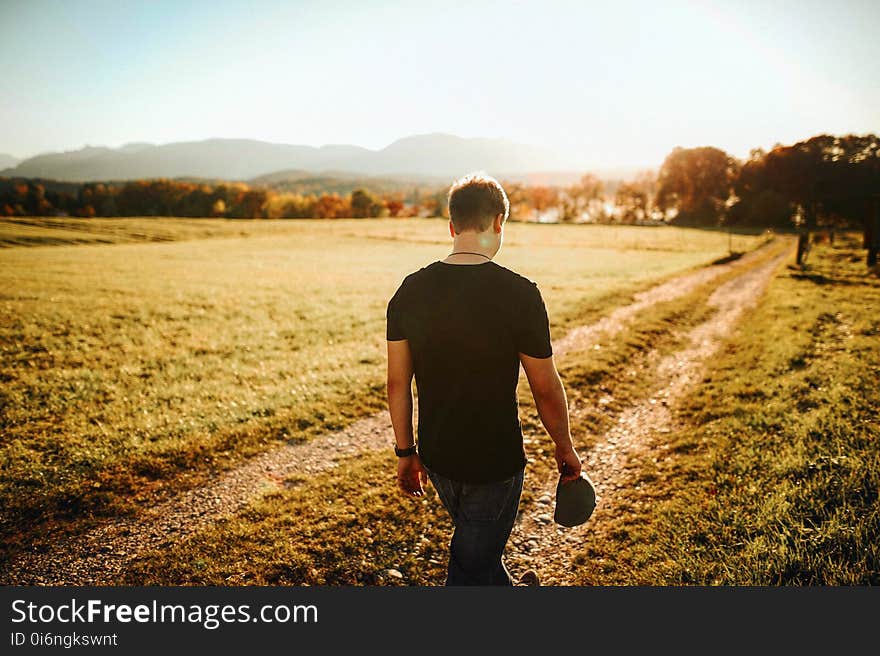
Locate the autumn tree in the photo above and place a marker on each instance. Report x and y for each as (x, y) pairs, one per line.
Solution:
(696, 184)
(247, 203)
(364, 204)
(543, 197)
(218, 208)
(586, 195)
(825, 181)
(394, 204)
(517, 195)
(331, 206)
(631, 201)
(829, 179)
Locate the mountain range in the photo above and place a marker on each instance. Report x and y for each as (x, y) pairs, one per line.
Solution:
(7, 161)
(419, 156)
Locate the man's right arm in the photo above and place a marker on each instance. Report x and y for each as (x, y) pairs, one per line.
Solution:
(552, 407)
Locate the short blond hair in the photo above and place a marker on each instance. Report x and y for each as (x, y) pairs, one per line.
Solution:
(475, 200)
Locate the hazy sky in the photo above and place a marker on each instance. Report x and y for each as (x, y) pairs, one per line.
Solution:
(614, 83)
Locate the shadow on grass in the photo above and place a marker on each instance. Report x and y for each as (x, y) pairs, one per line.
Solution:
(741, 230)
(731, 257)
(821, 279)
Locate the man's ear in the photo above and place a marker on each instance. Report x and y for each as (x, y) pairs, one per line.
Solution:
(498, 222)
(451, 229)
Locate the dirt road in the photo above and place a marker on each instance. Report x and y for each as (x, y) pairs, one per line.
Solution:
(540, 544)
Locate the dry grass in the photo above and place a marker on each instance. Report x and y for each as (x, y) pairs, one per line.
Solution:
(348, 525)
(136, 368)
(775, 477)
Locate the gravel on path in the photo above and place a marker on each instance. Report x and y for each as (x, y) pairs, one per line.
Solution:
(538, 543)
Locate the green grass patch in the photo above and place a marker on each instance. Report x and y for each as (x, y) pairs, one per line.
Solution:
(775, 479)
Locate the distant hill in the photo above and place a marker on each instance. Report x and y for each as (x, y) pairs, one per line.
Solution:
(429, 155)
(344, 182)
(294, 175)
(8, 161)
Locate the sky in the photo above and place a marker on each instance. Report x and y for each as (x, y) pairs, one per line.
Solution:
(608, 84)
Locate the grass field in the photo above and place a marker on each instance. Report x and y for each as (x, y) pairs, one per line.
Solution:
(54, 231)
(130, 369)
(777, 476)
(349, 525)
(773, 480)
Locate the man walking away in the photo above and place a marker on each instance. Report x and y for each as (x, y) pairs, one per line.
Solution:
(462, 326)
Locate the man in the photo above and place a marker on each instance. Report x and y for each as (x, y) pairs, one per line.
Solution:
(462, 326)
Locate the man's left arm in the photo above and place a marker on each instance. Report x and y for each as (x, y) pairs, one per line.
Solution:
(411, 475)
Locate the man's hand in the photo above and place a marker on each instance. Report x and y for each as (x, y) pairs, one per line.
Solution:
(411, 475)
(568, 463)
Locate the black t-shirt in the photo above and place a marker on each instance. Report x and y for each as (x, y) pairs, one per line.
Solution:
(466, 325)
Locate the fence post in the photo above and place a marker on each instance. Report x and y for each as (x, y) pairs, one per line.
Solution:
(872, 233)
(803, 246)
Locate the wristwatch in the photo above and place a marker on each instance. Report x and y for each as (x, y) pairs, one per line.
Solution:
(405, 453)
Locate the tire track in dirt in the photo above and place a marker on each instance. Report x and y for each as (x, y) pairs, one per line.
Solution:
(585, 336)
(99, 556)
(540, 544)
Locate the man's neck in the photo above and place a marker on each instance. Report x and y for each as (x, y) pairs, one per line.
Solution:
(471, 248)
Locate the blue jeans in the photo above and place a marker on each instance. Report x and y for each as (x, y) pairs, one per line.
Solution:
(483, 515)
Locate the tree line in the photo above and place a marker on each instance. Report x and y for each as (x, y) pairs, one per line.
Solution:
(823, 181)
(163, 197)
(826, 182)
